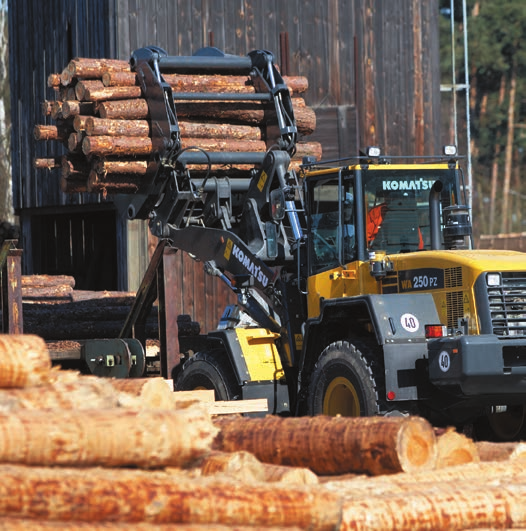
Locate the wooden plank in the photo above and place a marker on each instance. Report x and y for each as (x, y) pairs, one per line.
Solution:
(230, 407)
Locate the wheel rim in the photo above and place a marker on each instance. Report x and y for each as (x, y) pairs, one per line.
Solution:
(506, 426)
(341, 398)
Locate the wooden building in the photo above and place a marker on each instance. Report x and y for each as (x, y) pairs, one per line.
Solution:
(373, 72)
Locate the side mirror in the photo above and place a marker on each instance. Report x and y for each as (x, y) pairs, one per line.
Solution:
(277, 204)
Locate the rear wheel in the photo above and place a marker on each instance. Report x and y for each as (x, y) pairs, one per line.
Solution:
(209, 370)
(342, 383)
(509, 425)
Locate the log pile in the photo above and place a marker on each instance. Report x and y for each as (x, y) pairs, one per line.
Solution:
(100, 115)
(54, 310)
(81, 452)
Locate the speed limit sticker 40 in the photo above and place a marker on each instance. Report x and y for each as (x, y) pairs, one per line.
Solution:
(409, 322)
(443, 361)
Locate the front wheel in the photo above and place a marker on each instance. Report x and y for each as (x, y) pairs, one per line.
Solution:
(209, 370)
(342, 383)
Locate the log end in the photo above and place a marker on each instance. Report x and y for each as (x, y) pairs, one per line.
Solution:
(417, 445)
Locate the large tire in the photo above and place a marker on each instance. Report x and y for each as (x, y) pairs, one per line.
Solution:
(501, 427)
(209, 370)
(342, 383)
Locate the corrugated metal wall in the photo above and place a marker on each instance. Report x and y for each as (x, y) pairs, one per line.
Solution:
(372, 66)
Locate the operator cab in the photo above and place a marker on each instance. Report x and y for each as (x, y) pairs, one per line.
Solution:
(377, 206)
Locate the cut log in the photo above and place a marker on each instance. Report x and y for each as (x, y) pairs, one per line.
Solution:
(47, 280)
(50, 132)
(79, 123)
(152, 392)
(88, 68)
(25, 524)
(373, 445)
(244, 466)
(455, 449)
(501, 451)
(452, 506)
(84, 86)
(76, 108)
(216, 130)
(46, 108)
(100, 126)
(75, 142)
(95, 495)
(24, 360)
(116, 145)
(47, 164)
(135, 109)
(147, 438)
(53, 81)
(137, 167)
(56, 110)
(65, 390)
(45, 292)
(111, 93)
(113, 184)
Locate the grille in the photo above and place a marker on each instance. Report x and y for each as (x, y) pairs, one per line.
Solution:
(507, 305)
(455, 308)
(453, 277)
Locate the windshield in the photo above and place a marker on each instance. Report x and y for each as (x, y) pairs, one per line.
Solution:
(397, 207)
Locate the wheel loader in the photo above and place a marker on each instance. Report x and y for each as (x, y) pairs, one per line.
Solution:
(359, 290)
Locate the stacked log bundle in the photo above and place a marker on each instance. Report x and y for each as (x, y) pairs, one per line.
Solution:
(81, 452)
(100, 115)
(54, 310)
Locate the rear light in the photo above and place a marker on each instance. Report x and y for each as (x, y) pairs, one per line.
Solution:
(434, 331)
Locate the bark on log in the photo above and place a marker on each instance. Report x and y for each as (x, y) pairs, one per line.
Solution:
(24, 360)
(47, 164)
(152, 392)
(111, 93)
(246, 467)
(88, 68)
(137, 167)
(501, 451)
(216, 130)
(463, 506)
(101, 127)
(45, 292)
(116, 145)
(24, 524)
(373, 445)
(135, 109)
(84, 86)
(113, 184)
(147, 438)
(455, 449)
(95, 495)
(76, 108)
(47, 280)
(50, 132)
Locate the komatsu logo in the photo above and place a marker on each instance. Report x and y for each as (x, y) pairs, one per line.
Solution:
(246, 262)
(419, 184)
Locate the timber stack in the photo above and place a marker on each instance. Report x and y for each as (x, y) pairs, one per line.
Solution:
(82, 452)
(101, 117)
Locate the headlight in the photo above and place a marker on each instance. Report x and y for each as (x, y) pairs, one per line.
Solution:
(450, 151)
(373, 151)
(493, 279)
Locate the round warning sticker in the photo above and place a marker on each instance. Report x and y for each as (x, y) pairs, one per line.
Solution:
(409, 322)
